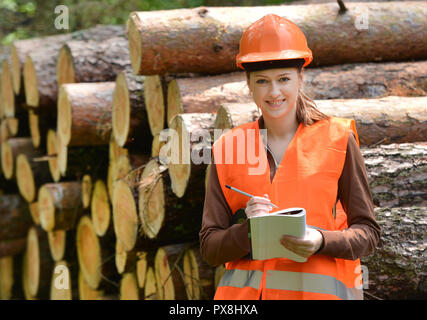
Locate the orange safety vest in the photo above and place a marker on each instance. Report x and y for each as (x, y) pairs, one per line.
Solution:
(306, 177)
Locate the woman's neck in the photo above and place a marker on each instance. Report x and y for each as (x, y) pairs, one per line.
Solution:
(280, 128)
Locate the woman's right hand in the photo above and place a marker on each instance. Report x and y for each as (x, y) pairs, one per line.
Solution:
(258, 206)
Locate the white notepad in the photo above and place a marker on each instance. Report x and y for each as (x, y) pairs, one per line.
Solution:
(267, 230)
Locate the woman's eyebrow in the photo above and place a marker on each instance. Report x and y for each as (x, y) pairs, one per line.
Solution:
(261, 75)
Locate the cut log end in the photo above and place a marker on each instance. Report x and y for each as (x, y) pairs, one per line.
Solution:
(34, 211)
(57, 241)
(153, 93)
(125, 216)
(62, 156)
(164, 280)
(16, 70)
(52, 150)
(31, 268)
(156, 146)
(64, 116)
(135, 46)
(7, 92)
(180, 166)
(120, 258)
(86, 190)
(231, 115)
(174, 104)
(25, 178)
(46, 206)
(128, 287)
(100, 208)
(151, 200)
(191, 275)
(33, 122)
(6, 277)
(7, 161)
(65, 72)
(60, 287)
(115, 151)
(12, 126)
(88, 252)
(121, 110)
(86, 292)
(30, 83)
(150, 288)
(141, 268)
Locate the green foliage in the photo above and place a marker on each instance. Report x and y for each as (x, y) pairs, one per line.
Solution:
(22, 19)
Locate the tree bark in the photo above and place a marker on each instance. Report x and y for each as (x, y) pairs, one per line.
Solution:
(206, 39)
(351, 81)
(39, 68)
(74, 162)
(397, 174)
(396, 270)
(384, 120)
(12, 247)
(84, 113)
(92, 60)
(15, 219)
(205, 94)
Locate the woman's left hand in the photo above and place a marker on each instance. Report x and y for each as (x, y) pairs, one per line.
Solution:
(305, 246)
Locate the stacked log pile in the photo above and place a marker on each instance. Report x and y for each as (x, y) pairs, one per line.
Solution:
(106, 139)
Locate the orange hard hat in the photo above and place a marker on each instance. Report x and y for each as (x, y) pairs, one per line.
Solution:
(273, 38)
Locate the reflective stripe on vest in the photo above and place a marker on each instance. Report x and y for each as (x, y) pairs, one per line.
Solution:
(241, 278)
(293, 281)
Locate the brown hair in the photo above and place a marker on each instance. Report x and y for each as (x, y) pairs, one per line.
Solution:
(307, 111)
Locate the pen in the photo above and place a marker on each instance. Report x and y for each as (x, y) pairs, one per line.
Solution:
(246, 194)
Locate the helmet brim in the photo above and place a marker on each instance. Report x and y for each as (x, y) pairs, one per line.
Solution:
(270, 56)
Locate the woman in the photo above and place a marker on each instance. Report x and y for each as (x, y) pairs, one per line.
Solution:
(313, 162)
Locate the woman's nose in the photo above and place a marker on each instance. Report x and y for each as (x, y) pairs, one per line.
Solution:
(274, 90)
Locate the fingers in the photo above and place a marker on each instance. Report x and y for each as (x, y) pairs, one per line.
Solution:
(305, 246)
(257, 206)
(258, 200)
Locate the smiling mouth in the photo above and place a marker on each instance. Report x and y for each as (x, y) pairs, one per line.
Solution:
(276, 103)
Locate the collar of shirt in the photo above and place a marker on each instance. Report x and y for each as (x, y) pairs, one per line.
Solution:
(270, 157)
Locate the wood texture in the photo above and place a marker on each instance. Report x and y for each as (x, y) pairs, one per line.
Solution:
(206, 39)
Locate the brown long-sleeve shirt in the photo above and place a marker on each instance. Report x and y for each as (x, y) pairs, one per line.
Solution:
(221, 241)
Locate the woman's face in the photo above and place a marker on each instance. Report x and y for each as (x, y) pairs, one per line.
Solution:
(275, 91)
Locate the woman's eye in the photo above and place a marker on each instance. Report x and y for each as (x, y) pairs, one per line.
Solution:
(284, 79)
(261, 81)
